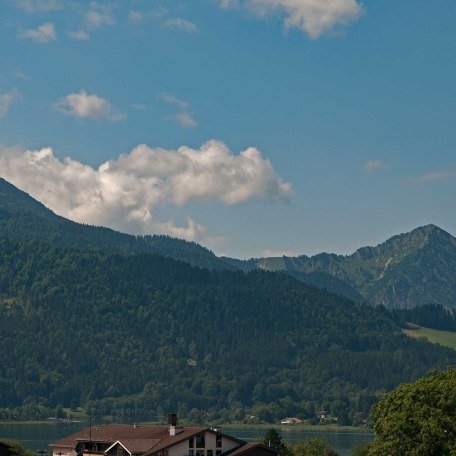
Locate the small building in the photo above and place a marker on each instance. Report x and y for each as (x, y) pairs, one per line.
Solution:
(291, 421)
(147, 440)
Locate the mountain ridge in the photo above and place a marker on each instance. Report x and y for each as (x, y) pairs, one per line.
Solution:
(19, 213)
(407, 270)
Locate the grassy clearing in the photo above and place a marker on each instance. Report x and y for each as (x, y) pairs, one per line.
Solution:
(445, 338)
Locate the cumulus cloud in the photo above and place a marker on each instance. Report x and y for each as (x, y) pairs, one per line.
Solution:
(374, 165)
(6, 100)
(45, 33)
(124, 193)
(88, 106)
(183, 25)
(314, 17)
(33, 6)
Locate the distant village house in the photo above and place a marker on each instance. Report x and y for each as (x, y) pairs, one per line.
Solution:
(146, 440)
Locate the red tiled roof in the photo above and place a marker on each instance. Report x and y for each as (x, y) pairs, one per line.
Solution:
(111, 433)
(138, 446)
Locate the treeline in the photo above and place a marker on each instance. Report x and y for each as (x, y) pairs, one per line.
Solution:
(128, 336)
(23, 218)
(430, 316)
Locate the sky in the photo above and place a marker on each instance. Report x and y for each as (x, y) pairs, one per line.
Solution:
(254, 127)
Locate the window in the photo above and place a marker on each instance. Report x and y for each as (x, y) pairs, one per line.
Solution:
(199, 453)
(210, 452)
(200, 441)
(218, 441)
(191, 443)
(190, 452)
(218, 452)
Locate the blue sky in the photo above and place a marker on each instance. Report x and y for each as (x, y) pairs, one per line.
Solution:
(348, 109)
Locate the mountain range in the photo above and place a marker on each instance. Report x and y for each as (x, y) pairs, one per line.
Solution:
(129, 327)
(407, 270)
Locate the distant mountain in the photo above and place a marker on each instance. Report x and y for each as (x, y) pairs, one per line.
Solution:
(24, 218)
(125, 336)
(408, 270)
(94, 318)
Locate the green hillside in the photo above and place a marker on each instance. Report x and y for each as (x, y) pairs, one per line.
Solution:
(23, 218)
(408, 270)
(130, 334)
(96, 319)
(444, 338)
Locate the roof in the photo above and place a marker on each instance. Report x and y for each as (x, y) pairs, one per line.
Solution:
(112, 433)
(187, 432)
(136, 446)
(244, 449)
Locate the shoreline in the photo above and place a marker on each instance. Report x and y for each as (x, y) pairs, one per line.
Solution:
(264, 426)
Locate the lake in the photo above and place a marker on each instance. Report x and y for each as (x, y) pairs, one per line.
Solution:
(39, 435)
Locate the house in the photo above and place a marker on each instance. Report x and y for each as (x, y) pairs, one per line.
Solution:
(290, 421)
(146, 440)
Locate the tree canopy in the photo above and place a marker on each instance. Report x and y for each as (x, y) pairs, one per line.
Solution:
(417, 419)
(315, 446)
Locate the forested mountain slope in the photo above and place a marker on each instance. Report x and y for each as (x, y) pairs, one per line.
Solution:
(408, 270)
(23, 218)
(130, 334)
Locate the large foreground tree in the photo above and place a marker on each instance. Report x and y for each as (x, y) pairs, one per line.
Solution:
(417, 419)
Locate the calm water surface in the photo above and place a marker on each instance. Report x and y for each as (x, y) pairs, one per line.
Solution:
(40, 435)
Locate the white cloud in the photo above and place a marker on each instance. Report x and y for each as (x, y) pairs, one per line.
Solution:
(374, 165)
(45, 33)
(181, 24)
(33, 6)
(436, 175)
(88, 106)
(79, 35)
(185, 119)
(124, 193)
(315, 17)
(21, 75)
(6, 100)
(171, 99)
(99, 15)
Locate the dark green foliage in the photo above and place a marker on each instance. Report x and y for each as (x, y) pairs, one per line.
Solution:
(361, 450)
(329, 283)
(315, 446)
(13, 448)
(273, 439)
(417, 419)
(127, 334)
(23, 218)
(89, 317)
(429, 316)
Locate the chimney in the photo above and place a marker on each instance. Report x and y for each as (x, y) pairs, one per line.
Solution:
(174, 429)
